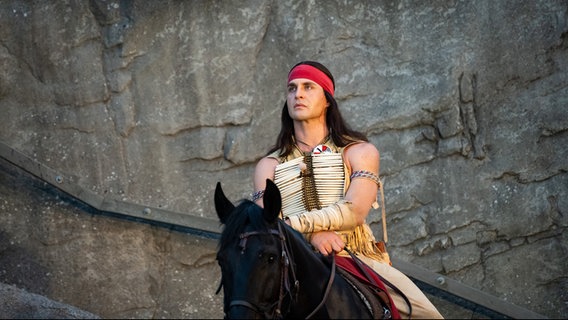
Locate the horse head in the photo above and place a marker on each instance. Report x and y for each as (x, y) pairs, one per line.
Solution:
(250, 255)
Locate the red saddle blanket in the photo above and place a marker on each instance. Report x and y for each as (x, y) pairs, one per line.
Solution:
(349, 265)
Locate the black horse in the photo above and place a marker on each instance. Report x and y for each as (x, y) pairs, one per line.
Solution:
(270, 271)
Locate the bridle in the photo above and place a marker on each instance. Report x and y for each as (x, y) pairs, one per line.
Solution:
(287, 269)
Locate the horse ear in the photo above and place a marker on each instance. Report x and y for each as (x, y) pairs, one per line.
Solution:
(272, 201)
(223, 206)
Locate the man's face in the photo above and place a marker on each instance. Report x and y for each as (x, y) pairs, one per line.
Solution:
(306, 100)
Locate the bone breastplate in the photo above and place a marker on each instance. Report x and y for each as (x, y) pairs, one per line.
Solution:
(310, 181)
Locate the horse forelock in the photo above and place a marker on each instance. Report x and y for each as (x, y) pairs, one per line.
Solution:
(247, 215)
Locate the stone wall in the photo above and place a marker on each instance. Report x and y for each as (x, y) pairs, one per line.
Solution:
(56, 247)
(154, 102)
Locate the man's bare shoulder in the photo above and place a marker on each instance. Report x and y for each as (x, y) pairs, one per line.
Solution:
(265, 166)
(264, 170)
(267, 162)
(363, 148)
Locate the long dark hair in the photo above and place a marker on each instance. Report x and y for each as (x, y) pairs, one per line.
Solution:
(341, 133)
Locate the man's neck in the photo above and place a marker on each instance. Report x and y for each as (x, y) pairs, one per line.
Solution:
(308, 137)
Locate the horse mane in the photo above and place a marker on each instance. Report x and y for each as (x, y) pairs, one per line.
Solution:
(291, 233)
(247, 212)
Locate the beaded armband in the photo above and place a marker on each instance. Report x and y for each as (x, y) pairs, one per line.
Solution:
(367, 175)
(257, 195)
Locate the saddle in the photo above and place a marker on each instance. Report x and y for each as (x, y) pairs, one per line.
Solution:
(370, 285)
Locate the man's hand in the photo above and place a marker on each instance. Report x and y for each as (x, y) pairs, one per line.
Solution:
(327, 242)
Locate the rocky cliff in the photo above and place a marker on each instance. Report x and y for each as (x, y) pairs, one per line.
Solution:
(153, 102)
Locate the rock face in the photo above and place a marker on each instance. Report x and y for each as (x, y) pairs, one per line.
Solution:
(154, 102)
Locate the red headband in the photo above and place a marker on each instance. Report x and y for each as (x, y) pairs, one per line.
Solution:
(316, 75)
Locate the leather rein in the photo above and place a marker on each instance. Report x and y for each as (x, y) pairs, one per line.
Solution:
(285, 262)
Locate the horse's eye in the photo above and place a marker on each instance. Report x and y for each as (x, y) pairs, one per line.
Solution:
(269, 258)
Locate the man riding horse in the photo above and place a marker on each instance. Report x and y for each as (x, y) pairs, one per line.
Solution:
(328, 175)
